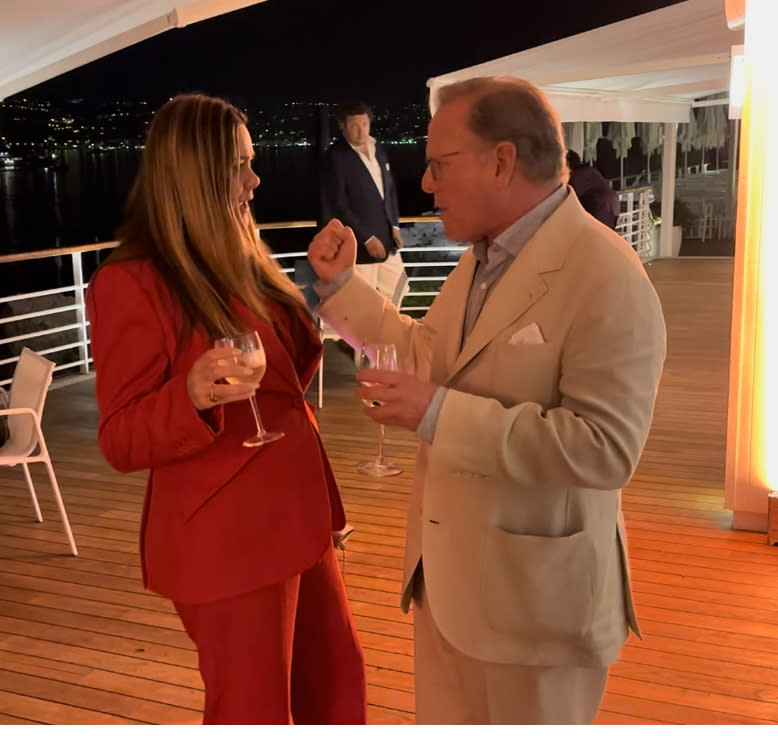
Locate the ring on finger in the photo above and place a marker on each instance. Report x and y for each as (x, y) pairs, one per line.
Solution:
(212, 396)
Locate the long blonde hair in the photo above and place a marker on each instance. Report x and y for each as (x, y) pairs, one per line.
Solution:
(181, 215)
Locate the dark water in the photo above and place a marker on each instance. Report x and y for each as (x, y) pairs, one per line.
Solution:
(82, 203)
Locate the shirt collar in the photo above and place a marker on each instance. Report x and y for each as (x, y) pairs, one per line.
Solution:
(370, 147)
(518, 234)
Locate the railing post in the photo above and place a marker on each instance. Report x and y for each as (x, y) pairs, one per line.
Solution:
(631, 220)
(78, 285)
(645, 222)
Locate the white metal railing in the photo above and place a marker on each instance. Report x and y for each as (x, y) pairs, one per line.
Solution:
(635, 221)
(65, 306)
(72, 320)
(69, 331)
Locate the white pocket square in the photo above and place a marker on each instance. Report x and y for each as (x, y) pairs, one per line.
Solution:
(527, 335)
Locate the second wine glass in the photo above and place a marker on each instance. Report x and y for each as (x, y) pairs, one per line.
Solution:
(250, 344)
(384, 358)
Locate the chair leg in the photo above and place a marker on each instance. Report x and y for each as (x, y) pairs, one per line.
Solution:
(31, 488)
(61, 507)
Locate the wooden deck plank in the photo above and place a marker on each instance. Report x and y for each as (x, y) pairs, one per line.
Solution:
(82, 642)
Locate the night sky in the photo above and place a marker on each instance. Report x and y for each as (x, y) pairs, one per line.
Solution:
(282, 50)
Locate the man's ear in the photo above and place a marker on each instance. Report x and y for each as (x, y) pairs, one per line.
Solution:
(505, 154)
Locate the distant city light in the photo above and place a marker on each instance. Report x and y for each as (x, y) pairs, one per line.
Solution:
(122, 124)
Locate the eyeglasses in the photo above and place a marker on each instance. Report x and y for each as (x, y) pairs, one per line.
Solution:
(433, 163)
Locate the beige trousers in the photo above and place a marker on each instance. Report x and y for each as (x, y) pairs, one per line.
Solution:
(452, 688)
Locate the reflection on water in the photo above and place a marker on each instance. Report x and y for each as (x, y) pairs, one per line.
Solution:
(78, 203)
(82, 201)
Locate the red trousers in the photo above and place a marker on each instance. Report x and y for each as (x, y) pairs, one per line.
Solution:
(284, 654)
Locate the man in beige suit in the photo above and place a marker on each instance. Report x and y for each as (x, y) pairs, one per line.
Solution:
(531, 385)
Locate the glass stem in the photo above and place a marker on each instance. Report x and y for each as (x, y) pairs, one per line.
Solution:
(380, 458)
(257, 418)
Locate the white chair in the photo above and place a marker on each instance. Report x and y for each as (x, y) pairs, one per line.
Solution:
(29, 387)
(327, 333)
(707, 223)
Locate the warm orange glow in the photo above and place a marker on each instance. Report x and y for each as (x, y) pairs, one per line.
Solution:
(752, 441)
(761, 61)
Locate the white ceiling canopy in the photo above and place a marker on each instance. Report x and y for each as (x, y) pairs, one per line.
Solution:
(40, 39)
(649, 68)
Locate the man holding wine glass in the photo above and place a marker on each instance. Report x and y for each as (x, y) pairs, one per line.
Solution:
(194, 330)
(530, 384)
(383, 358)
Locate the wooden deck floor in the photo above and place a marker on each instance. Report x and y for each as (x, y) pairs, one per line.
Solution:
(81, 642)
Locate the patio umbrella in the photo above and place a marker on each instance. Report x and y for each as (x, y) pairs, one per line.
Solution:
(689, 133)
(688, 137)
(574, 136)
(713, 129)
(651, 139)
(621, 135)
(592, 134)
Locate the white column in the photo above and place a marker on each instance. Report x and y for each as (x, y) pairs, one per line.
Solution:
(668, 190)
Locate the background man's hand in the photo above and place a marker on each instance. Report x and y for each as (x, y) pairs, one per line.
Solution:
(332, 250)
(375, 247)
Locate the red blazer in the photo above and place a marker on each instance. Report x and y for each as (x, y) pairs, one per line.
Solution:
(219, 519)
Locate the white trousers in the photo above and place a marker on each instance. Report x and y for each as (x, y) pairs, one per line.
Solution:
(385, 276)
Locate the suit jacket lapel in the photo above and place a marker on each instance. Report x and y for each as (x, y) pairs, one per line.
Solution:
(522, 284)
(513, 295)
(279, 362)
(455, 292)
(280, 366)
(310, 354)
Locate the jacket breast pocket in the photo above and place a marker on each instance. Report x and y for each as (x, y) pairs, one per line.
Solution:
(524, 373)
(539, 587)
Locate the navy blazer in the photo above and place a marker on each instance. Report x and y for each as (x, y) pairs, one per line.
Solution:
(349, 193)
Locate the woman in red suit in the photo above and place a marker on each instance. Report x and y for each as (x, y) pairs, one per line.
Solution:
(240, 539)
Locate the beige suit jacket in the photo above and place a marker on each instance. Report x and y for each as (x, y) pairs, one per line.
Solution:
(516, 504)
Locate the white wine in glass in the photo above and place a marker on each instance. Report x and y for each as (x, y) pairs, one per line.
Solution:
(255, 360)
(254, 357)
(383, 357)
(362, 360)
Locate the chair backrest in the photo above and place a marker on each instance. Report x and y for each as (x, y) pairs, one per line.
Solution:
(29, 386)
(400, 289)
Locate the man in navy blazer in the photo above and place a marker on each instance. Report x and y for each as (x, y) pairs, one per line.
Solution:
(357, 188)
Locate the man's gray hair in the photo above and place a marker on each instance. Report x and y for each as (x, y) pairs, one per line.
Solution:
(514, 110)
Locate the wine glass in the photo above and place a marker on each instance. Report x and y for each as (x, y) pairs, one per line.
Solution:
(254, 357)
(382, 357)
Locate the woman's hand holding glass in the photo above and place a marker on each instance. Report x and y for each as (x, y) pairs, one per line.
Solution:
(205, 381)
(251, 357)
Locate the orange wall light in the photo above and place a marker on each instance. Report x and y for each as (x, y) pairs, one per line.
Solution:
(752, 432)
